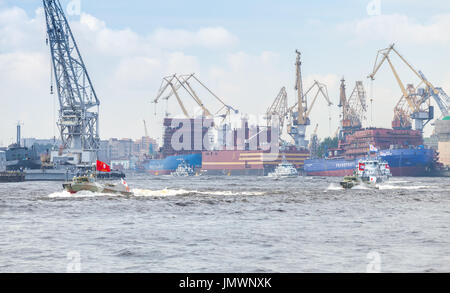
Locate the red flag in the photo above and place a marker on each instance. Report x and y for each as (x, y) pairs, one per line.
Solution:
(103, 167)
(362, 166)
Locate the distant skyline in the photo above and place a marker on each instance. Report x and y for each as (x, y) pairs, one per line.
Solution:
(243, 50)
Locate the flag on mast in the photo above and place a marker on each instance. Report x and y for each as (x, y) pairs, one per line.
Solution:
(103, 167)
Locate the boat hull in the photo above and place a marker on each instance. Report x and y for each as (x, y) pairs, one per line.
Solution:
(403, 162)
(169, 164)
(74, 188)
(252, 163)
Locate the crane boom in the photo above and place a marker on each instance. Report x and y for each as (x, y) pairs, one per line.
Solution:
(184, 83)
(299, 88)
(402, 87)
(78, 111)
(321, 89)
(278, 108)
(416, 100)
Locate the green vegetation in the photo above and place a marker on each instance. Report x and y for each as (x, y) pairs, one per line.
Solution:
(326, 144)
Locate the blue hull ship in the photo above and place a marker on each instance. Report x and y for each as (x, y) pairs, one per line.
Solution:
(415, 162)
(169, 164)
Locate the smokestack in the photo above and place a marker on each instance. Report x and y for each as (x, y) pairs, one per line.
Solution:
(18, 134)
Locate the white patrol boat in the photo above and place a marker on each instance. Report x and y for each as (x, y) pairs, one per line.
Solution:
(284, 170)
(370, 172)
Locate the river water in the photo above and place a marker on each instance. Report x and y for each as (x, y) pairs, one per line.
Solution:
(227, 224)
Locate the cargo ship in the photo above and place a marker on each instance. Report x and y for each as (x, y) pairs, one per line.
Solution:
(245, 156)
(259, 163)
(402, 148)
(170, 156)
(169, 164)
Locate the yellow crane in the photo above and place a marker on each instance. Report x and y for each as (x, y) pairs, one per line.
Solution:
(278, 109)
(417, 102)
(177, 82)
(301, 111)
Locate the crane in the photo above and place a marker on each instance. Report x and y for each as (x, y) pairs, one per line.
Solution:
(402, 115)
(78, 111)
(415, 101)
(178, 82)
(278, 109)
(353, 108)
(300, 111)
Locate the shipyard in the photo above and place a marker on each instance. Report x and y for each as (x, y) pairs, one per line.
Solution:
(135, 145)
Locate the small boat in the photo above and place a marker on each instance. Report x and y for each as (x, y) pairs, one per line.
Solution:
(183, 170)
(89, 183)
(284, 170)
(369, 172)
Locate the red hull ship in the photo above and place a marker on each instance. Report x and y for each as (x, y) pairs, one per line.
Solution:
(259, 162)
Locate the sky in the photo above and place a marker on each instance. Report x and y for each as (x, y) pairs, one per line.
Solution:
(244, 51)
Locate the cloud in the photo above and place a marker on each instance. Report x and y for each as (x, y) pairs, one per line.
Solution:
(124, 66)
(399, 28)
(210, 37)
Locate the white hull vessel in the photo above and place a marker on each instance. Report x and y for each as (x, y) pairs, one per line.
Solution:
(284, 170)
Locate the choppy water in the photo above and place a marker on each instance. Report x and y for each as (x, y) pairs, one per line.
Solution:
(227, 224)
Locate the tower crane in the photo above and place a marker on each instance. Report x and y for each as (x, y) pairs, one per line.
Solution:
(415, 102)
(300, 118)
(78, 112)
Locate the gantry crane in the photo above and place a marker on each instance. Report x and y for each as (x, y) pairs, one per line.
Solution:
(415, 102)
(177, 82)
(300, 118)
(78, 112)
(353, 109)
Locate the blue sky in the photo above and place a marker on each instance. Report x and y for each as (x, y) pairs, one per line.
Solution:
(128, 46)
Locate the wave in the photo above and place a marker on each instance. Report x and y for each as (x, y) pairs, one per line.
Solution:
(81, 194)
(161, 193)
(389, 186)
(152, 193)
(362, 187)
(334, 186)
(230, 193)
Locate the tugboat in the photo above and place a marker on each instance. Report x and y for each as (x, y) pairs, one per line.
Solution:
(284, 170)
(369, 172)
(183, 170)
(88, 182)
